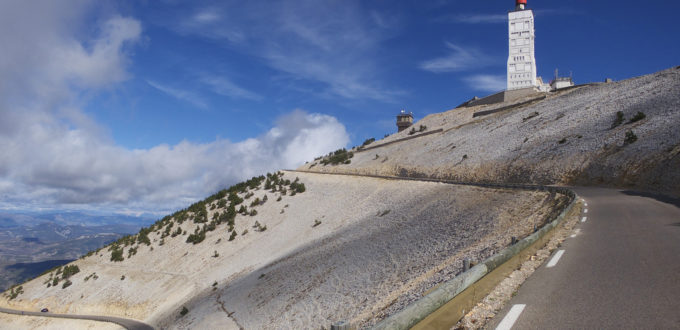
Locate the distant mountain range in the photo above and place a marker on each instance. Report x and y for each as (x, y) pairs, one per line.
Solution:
(32, 242)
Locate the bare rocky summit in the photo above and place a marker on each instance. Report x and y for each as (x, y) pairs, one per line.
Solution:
(567, 138)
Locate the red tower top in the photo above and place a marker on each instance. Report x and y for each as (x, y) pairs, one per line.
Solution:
(523, 2)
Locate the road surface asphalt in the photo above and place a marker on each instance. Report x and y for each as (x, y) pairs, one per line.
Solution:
(126, 323)
(621, 270)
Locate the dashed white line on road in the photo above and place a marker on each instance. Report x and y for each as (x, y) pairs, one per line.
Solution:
(585, 204)
(555, 259)
(572, 235)
(585, 211)
(512, 316)
(584, 219)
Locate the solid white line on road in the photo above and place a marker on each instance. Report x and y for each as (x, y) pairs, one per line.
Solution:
(584, 219)
(555, 259)
(511, 317)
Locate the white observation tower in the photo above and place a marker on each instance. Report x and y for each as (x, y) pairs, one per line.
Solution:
(521, 59)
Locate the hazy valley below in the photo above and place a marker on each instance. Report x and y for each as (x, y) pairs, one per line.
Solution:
(31, 243)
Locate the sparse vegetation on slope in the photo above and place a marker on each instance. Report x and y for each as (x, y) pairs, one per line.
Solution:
(340, 156)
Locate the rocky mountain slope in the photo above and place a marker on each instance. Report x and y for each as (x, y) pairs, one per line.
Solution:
(570, 137)
(292, 250)
(301, 250)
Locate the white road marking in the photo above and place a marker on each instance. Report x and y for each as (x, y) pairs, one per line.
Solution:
(586, 204)
(585, 211)
(572, 235)
(584, 219)
(512, 316)
(555, 259)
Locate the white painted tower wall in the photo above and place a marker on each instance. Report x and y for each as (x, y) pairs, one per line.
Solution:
(521, 60)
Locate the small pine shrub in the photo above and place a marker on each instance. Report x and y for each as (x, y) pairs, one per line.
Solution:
(368, 141)
(15, 292)
(316, 223)
(66, 284)
(630, 138)
(233, 235)
(184, 311)
(563, 141)
(618, 120)
(638, 116)
(117, 254)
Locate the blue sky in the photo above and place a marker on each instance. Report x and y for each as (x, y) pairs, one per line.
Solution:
(146, 106)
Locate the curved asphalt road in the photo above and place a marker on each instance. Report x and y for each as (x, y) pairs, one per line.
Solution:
(126, 323)
(620, 271)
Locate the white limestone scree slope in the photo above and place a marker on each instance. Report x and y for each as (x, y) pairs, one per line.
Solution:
(521, 58)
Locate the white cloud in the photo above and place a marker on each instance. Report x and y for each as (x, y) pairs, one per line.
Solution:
(55, 155)
(226, 87)
(179, 94)
(486, 83)
(460, 59)
(331, 44)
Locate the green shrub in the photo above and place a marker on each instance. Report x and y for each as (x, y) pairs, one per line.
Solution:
(367, 142)
(564, 140)
(197, 237)
(316, 223)
(184, 311)
(339, 156)
(618, 120)
(233, 235)
(630, 138)
(66, 284)
(15, 292)
(638, 116)
(69, 270)
(117, 254)
(131, 252)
